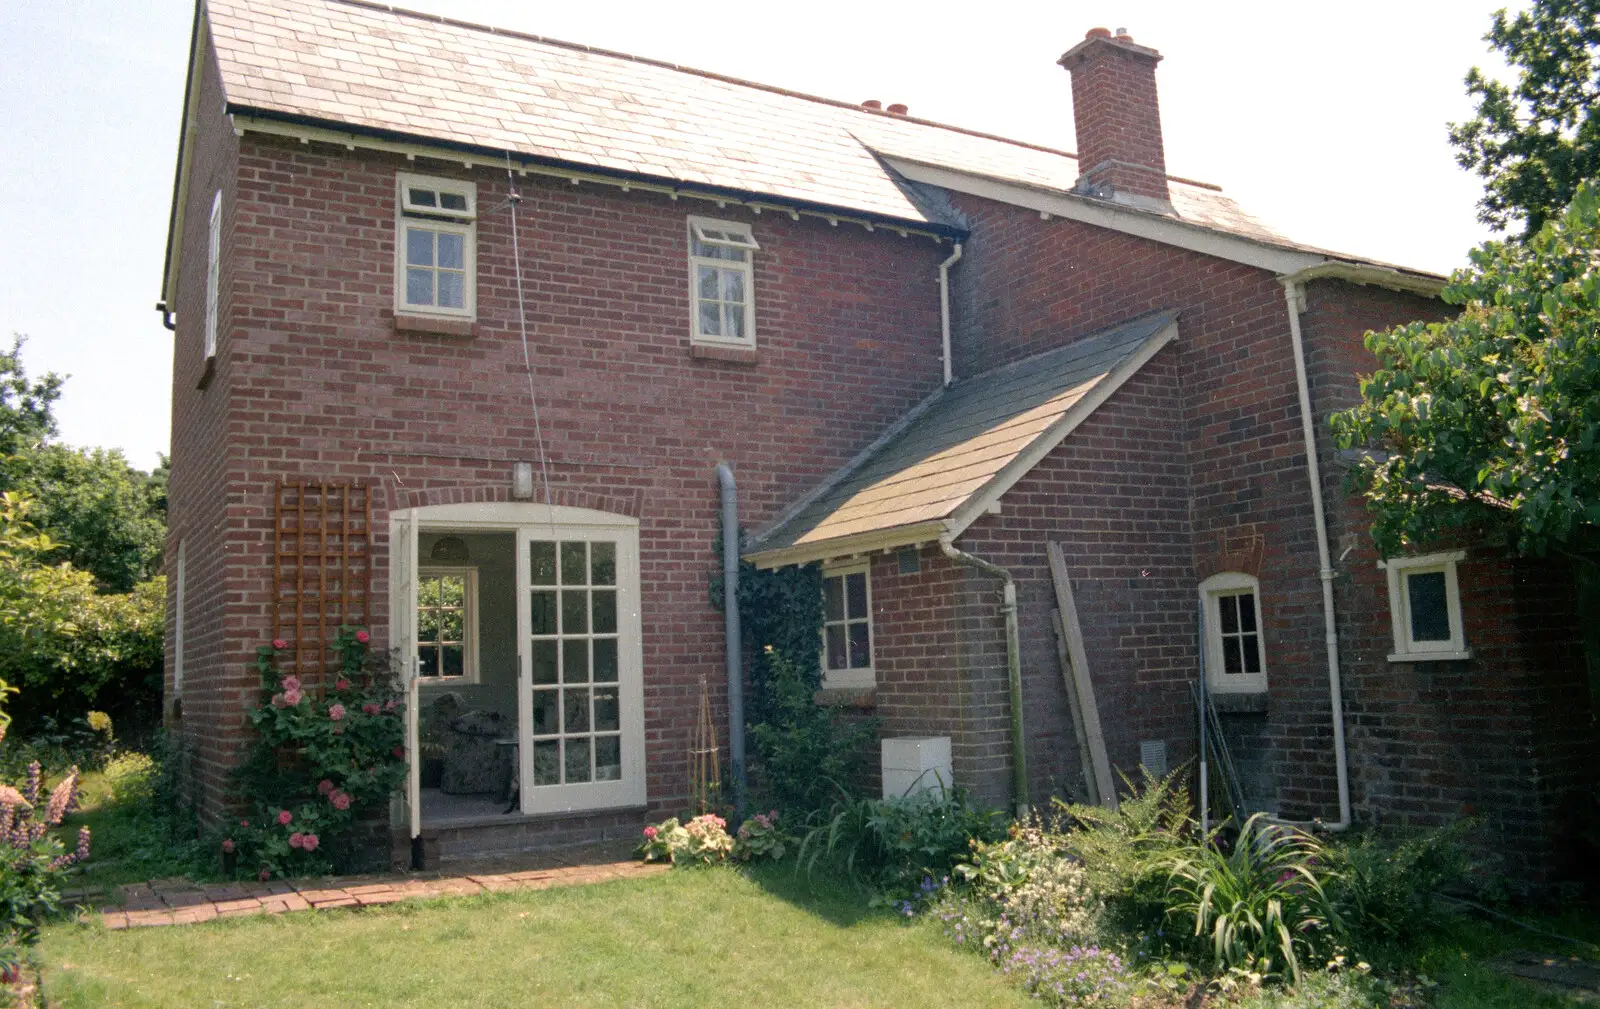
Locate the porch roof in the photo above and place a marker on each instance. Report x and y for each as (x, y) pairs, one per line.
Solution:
(945, 463)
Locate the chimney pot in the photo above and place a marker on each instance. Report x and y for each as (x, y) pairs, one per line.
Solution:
(898, 109)
(1123, 36)
(1097, 33)
(872, 103)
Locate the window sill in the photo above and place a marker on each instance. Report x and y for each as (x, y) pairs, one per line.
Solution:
(207, 373)
(733, 355)
(435, 325)
(856, 698)
(1465, 653)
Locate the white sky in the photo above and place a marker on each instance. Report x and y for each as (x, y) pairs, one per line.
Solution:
(1325, 120)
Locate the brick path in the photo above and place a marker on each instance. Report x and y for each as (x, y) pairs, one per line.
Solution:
(182, 902)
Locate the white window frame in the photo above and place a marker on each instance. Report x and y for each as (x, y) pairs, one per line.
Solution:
(1406, 648)
(850, 679)
(735, 236)
(213, 276)
(469, 658)
(439, 220)
(178, 601)
(1218, 681)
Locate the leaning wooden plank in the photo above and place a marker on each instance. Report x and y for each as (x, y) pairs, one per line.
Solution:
(1078, 733)
(1080, 676)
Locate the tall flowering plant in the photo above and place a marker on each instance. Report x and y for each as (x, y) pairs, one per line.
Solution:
(324, 757)
(32, 861)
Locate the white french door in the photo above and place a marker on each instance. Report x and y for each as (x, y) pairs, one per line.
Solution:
(581, 696)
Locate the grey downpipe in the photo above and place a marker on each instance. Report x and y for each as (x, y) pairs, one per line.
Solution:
(730, 625)
(1008, 606)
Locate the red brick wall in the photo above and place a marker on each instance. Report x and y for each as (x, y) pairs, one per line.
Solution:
(198, 510)
(321, 385)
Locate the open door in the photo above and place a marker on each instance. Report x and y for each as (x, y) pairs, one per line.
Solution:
(403, 637)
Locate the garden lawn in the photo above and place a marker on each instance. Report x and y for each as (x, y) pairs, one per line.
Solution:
(684, 938)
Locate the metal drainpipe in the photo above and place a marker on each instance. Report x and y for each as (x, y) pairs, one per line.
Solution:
(731, 635)
(1291, 293)
(1008, 606)
(944, 310)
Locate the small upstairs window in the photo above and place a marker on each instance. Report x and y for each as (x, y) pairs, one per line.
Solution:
(1425, 607)
(847, 627)
(436, 247)
(1236, 656)
(721, 276)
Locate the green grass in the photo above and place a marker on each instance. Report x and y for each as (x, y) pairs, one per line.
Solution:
(684, 938)
(133, 840)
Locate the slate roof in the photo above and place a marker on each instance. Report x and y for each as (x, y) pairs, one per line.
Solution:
(959, 448)
(381, 69)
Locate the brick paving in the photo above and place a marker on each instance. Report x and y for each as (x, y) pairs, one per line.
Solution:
(184, 902)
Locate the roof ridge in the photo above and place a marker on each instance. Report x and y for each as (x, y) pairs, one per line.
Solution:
(713, 75)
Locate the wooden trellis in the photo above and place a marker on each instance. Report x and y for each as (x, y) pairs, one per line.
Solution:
(322, 569)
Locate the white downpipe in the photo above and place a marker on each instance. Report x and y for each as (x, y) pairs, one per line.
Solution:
(1292, 295)
(944, 309)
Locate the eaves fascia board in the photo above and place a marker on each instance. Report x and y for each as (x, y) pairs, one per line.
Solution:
(1142, 224)
(248, 119)
(990, 494)
(180, 182)
(846, 546)
(1429, 285)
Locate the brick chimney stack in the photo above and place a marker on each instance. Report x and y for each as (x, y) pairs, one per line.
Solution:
(1118, 119)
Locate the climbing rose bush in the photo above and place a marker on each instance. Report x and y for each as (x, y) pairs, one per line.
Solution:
(761, 837)
(325, 757)
(704, 840)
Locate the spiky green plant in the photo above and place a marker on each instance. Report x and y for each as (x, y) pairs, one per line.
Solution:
(1261, 905)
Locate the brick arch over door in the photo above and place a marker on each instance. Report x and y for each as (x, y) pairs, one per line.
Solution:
(629, 502)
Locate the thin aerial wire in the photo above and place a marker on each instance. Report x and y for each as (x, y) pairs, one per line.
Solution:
(527, 359)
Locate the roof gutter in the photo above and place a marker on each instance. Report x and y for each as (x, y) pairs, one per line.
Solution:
(1427, 285)
(1008, 607)
(350, 135)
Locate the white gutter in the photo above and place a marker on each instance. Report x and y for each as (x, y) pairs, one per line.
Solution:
(944, 308)
(1292, 295)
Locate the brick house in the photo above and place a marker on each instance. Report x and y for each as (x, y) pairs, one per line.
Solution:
(466, 320)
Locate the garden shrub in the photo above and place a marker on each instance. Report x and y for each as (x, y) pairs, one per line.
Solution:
(1391, 889)
(32, 861)
(1127, 851)
(761, 837)
(1262, 906)
(806, 753)
(703, 840)
(893, 844)
(322, 760)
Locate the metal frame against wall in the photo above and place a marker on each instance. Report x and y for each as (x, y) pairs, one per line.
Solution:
(322, 568)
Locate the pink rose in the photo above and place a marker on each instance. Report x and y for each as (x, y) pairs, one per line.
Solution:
(399, 753)
(363, 637)
(340, 800)
(390, 704)
(291, 683)
(336, 712)
(371, 708)
(308, 842)
(295, 839)
(264, 875)
(650, 833)
(227, 845)
(279, 644)
(244, 823)
(278, 701)
(341, 684)
(324, 786)
(284, 816)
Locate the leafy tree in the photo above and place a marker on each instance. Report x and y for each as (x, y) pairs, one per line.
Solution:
(26, 420)
(1534, 142)
(105, 516)
(1491, 421)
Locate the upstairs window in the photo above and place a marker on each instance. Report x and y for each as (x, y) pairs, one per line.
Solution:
(721, 282)
(1425, 608)
(213, 275)
(1236, 657)
(847, 627)
(436, 247)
